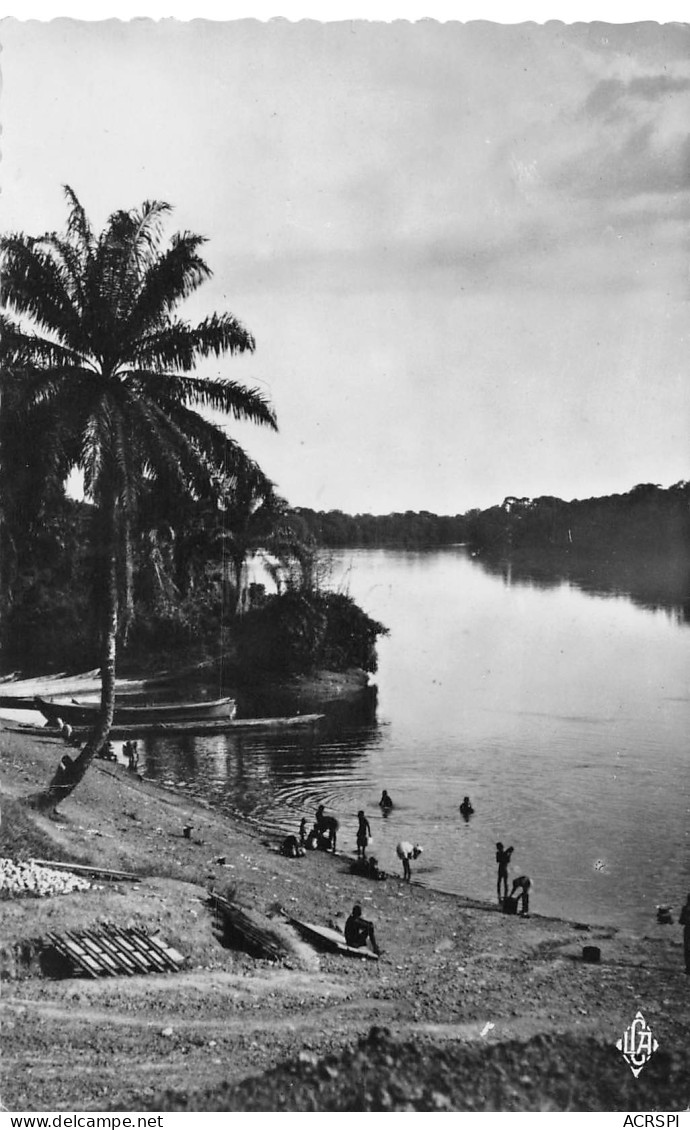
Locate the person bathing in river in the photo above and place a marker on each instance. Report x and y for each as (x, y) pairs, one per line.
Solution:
(466, 808)
(363, 835)
(385, 803)
(406, 852)
(358, 931)
(503, 859)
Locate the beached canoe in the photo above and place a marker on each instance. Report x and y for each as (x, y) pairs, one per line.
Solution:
(86, 713)
(174, 729)
(329, 939)
(17, 702)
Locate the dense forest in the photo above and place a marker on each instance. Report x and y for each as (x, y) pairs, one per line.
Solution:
(647, 518)
(193, 590)
(193, 593)
(411, 530)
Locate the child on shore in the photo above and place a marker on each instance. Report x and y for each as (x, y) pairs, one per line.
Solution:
(503, 860)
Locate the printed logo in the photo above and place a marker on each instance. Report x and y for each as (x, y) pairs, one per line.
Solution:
(637, 1044)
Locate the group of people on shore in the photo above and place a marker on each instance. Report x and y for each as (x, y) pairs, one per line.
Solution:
(323, 836)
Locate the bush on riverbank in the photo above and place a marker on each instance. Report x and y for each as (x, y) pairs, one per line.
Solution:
(299, 632)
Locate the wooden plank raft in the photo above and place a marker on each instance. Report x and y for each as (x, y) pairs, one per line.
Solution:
(87, 872)
(110, 952)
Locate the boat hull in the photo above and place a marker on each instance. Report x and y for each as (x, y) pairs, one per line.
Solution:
(86, 714)
(326, 938)
(175, 729)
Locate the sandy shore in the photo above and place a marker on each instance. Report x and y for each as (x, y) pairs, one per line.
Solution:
(459, 983)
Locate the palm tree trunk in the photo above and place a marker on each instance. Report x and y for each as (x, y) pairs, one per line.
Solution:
(70, 771)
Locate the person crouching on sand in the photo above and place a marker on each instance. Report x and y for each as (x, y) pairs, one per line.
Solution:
(406, 852)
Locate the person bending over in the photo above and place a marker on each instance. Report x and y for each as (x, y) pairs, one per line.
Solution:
(406, 852)
(327, 827)
(522, 884)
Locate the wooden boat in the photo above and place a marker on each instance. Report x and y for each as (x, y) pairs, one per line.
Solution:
(329, 939)
(17, 702)
(173, 729)
(86, 713)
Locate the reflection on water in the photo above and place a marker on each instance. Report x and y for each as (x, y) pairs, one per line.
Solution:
(649, 580)
(562, 715)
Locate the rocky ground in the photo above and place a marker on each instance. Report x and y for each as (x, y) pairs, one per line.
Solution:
(468, 1009)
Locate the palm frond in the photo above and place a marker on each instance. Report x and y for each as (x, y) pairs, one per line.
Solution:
(34, 284)
(71, 260)
(180, 346)
(78, 226)
(20, 348)
(222, 395)
(167, 281)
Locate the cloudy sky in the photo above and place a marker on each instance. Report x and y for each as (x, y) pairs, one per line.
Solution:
(462, 248)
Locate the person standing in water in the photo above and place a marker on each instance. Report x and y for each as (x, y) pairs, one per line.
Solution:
(503, 860)
(363, 835)
(385, 803)
(466, 809)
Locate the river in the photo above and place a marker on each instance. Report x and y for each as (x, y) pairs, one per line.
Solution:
(563, 714)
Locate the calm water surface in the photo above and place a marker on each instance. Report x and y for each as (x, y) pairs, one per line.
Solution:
(563, 715)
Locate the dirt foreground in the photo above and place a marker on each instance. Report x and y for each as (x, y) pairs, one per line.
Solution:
(468, 1009)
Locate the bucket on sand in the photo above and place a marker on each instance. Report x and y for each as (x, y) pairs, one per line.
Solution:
(591, 954)
(509, 905)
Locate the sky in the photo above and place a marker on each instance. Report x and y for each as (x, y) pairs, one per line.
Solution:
(462, 247)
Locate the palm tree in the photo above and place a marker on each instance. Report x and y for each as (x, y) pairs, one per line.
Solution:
(97, 366)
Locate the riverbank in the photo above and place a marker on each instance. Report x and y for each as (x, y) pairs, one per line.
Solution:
(483, 1011)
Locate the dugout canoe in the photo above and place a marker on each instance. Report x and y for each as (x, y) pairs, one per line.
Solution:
(175, 729)
(329, 939)
(86, 713)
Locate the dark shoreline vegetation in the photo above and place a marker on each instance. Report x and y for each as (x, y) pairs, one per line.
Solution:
(192, 596)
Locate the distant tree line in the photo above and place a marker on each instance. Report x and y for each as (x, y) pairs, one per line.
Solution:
(409, 530)
(648, 518)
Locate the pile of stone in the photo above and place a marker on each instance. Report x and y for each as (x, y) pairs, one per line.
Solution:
(29, 878)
